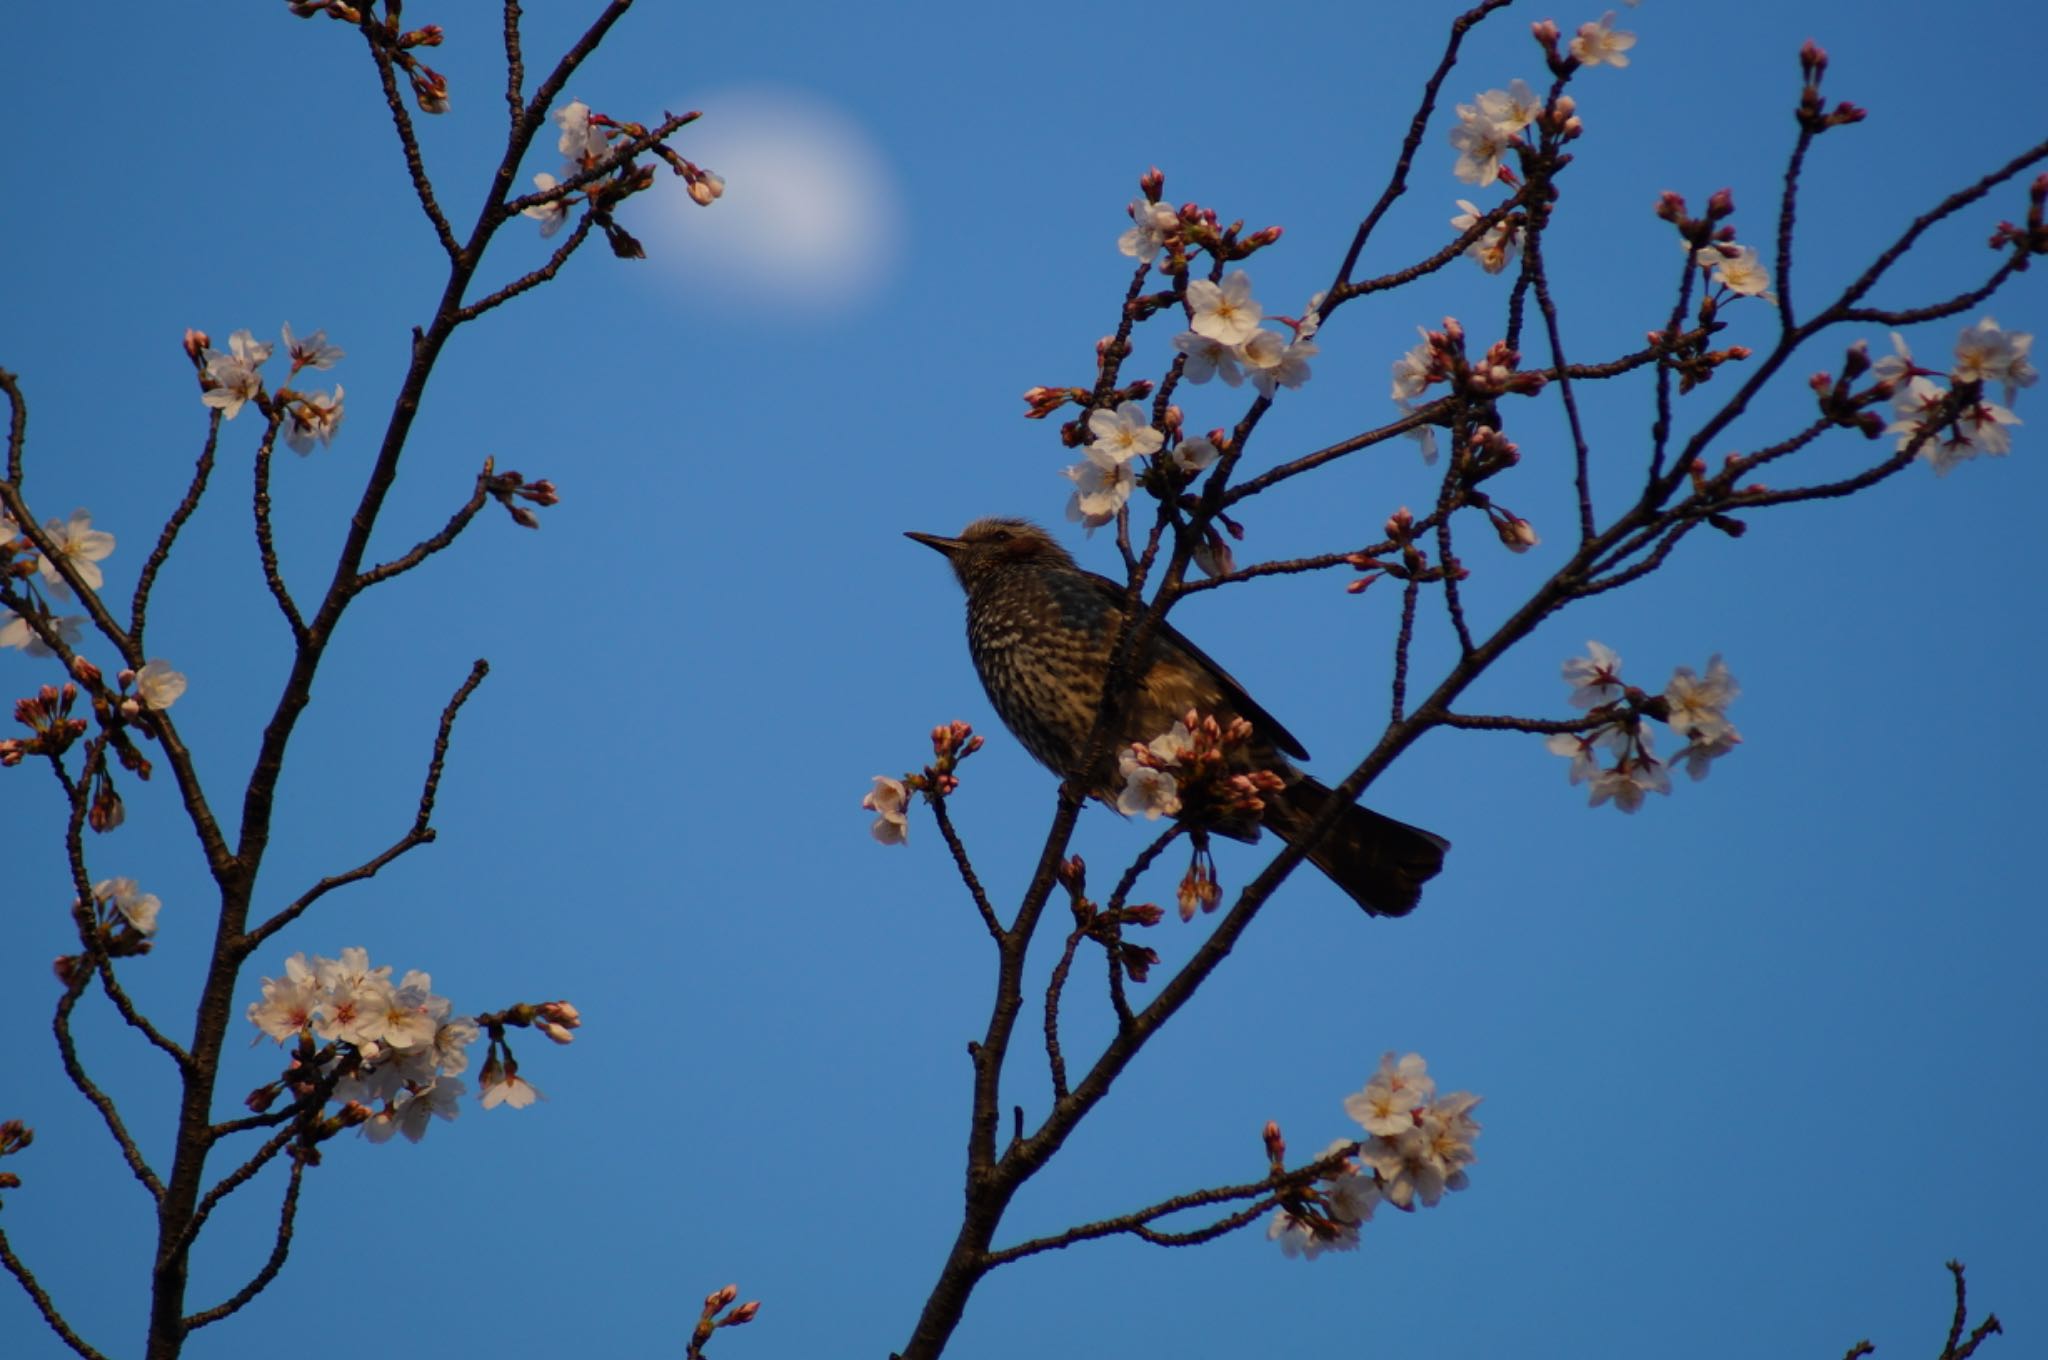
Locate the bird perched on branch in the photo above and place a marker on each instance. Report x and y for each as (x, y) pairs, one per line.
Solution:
(1041, 630)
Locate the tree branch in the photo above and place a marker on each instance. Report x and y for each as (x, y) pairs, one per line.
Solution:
(287, 1214)
(420, 833)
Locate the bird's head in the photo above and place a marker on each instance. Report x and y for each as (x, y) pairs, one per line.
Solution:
(996, 542)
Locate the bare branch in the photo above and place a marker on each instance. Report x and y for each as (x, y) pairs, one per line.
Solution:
(145, 581)
(427, 547)
(17, 424)
(966, 867)
(577, 235)
(1055, 1060)
(1397, 184)
(136, 1018)
(415, 166)
(420, 833)
(266, 545)
(515, 66)
(44, 1305)
(233, 1181)
(286, 1216)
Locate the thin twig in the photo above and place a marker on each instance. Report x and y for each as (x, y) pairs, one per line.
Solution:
(228, 1184)
(515, 65)
(1055, 1060)
(577, 235)
(415, 166)
(17, 424)
(421, 832)
(1404, 639)
(427, 547)
(145, 581)
(44, 1305)
(966, 868)
(1397, 183)
(266, 544)
(136, 1018)
(287, 1215)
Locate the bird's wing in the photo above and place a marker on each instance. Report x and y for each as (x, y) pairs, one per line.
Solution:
(1246, 706)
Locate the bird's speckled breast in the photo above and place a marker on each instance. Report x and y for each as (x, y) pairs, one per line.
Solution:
(1040, 642)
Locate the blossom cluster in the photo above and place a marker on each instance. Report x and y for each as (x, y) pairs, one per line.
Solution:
(393, 1048)
(1960, 422)
(121, 898)
(1191, 761)
(230, 379)
(1226, 340)
(1692, 705)
(889, 800)
(584, 143)
(1440, 356)
(1417, 1146)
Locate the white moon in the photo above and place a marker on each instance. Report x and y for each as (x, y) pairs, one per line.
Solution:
(811, 218)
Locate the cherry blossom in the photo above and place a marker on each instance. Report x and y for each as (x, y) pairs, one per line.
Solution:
(1228, 313)
(311, 352)
(1388, 1102)
(1741, 272)
(312, 418)
(551, 215)
(1151, 224)
(1697, 702)
(1987, 354)
(1150, 792)
(1195, 454)
(887, 801)
(1495, 250)
(582, 141)
(1124, 433)
(157, 685)
(1601, 43)
(15, 632)
(1208, 359)
(136, 906)
(1595, 677)
(289, 1002)
(1275, 364)
(1103, 482)
(233, 375)
(1480, 143)
(79, 543)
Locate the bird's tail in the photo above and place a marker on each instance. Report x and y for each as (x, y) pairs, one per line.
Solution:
(1381, 863)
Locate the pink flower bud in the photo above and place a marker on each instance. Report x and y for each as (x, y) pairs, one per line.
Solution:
(744, 1314)
(196, 341)
(1721, 204)
(1671, 207)
(559, 1033)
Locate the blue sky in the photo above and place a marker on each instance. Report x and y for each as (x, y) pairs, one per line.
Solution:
(1756, 1061)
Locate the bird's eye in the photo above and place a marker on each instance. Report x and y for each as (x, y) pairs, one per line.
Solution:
(1001, 536)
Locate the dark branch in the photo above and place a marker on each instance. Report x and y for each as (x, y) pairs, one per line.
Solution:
(138, 607)
(287, 1215)
(44, 1305)
(420, 833)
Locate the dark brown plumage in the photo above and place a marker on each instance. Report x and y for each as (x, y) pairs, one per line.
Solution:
(1040, 631)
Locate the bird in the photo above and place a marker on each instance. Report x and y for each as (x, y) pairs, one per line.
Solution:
(1040, 629)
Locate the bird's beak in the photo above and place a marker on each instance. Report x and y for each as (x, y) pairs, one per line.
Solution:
(937, 542)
